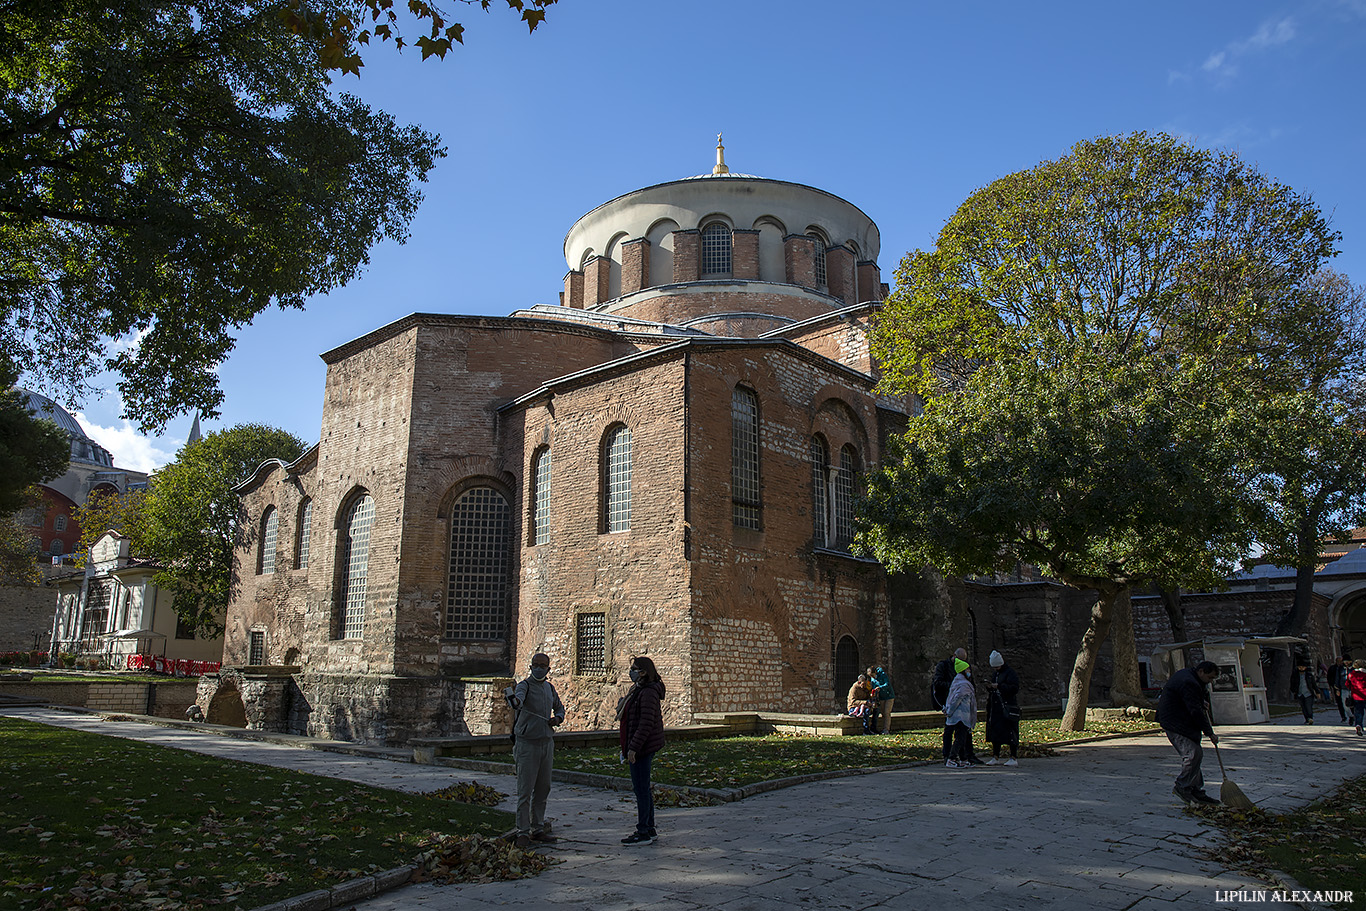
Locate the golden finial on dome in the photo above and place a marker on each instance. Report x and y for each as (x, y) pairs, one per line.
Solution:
(720, 159)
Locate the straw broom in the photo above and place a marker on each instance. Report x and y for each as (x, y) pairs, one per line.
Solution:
(1229, 793)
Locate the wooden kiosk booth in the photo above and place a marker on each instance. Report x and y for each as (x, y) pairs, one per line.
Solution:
(1238, 694)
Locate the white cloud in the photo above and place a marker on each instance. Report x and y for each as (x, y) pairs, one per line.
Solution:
(1223, 64)
(131, 449)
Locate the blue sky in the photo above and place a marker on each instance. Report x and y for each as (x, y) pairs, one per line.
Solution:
(902, 108)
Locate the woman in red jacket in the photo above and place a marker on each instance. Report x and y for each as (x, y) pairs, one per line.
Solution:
(1356, 686)
(642, 735)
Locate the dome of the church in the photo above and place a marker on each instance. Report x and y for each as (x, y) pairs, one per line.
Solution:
(83, 448)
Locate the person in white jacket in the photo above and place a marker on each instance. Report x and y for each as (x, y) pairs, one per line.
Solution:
(960, 715)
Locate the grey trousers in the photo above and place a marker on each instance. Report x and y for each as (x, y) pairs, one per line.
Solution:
(1192, 753)
(535, 759)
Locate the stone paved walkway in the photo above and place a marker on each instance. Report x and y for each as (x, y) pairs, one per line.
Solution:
(1095, 827)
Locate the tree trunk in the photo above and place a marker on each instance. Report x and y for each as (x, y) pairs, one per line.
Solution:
(1079, 689)
(1125, 689)
(1292, 624)
(1176, 614)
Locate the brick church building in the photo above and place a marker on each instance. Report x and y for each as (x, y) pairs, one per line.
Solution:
(666, 463)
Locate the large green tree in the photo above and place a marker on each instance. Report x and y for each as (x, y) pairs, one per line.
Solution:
(168, 169)
(1087, 338)
(189, 520)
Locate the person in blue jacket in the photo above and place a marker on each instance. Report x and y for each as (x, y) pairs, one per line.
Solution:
(885, 696)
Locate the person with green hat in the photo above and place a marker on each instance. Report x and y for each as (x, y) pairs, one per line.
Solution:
(960, 715)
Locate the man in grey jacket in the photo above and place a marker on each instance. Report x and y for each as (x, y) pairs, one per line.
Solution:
(539, 712)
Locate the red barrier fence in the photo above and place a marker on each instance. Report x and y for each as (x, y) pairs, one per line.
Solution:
(177, 667)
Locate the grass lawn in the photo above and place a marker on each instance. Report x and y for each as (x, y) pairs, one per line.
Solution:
(1323, 846)
(732, 762)
(120, 825)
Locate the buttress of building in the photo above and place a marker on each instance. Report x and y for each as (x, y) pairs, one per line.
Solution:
(666, 463)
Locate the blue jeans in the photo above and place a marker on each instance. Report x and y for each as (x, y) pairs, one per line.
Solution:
(1358, 711)
(645, 798)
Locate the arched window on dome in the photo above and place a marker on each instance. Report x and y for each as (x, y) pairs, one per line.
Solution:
(353, 556)
(716, 249)
(818, 258)
(270, 534)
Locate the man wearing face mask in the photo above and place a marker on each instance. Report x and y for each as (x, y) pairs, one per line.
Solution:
(539, 712)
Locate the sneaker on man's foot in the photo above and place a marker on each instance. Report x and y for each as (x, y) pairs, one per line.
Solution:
(991, 761)
(638, 838)
(1182, 793)
(523, 840)
(1011, 762)
(952, 764)
(544, 838)
(1202, 797)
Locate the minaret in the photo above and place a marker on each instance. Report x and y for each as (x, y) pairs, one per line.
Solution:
(195, 435)
(720, 170)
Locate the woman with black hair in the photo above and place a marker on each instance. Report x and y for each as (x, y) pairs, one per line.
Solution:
(642, 735)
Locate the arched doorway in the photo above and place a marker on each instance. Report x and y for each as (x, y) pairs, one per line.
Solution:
(226, 707)
(1350, 625)
(847, 667)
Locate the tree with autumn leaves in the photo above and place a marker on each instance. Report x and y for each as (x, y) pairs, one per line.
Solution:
(1101, 345)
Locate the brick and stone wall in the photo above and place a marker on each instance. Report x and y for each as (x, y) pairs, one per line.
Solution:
(26, 613)
(163, 700)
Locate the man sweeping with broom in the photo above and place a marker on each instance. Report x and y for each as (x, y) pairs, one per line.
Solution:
(1181, 712)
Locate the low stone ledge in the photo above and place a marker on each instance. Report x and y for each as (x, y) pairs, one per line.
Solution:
(428, 750)
(347, 893)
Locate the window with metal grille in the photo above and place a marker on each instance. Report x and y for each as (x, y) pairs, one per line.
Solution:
(716, 245)
(476, 596)
(818, 260)
(95, 619)
(355, 562)
(256, 648)
(744, 458)
(844, 497)
(59, 523)
(270, 533)
(303, 531)
(847, 665)
(590, 644)
(617, 483)
(540, 519)
(820, 491)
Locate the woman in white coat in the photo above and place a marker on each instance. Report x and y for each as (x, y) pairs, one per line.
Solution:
(960, 715)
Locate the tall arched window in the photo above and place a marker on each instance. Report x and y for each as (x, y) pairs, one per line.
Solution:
(540, 515)
(616, 482)
(270, 535)
(820, 491)
(818, 260)
(844, 496)
(477, 593)
(847, 666)
(354, 560)
(303, 531)
(716, 245)
(744, 458)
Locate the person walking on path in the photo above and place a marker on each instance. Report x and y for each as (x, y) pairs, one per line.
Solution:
(1183, 712)
(1003, 710)
(960, 715)
(539, 712)
(642, 735)
(1356, 691)
(1337, 684)
(1304, 687)
(885, 697)
(940, 682)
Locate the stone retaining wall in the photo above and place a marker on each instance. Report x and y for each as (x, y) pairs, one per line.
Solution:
(164, 700)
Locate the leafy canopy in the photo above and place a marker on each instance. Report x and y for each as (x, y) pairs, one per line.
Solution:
(169, 169)
(189, 520)
(1086, 337)
(338, 29)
